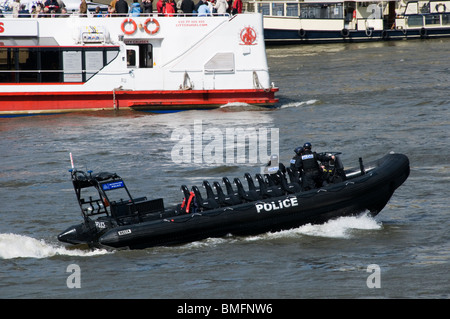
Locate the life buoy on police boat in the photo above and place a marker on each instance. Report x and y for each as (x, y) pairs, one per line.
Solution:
(154, 21)
(133, 28)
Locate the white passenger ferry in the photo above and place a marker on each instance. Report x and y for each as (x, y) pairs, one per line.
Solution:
(162, 64)
(352, 20)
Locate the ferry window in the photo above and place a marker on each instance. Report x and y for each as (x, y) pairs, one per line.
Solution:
(264, 8)
(28, 65)
(250, 7)
(321, 11)
(292, 9)
(445, 19)
(7, 63)
(94, 62)
(51, 66)
(54, 64)
(131, 58)
(73, 67)
(278, 9)
(111, 55)
(432, 19)
(221, 62)
(145, 56)
(415, 20)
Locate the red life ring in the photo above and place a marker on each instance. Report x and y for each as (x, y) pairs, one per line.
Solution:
(151, 20)
(133, 29)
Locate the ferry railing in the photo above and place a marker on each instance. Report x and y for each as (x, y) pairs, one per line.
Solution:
(275, 8)
(8, 15)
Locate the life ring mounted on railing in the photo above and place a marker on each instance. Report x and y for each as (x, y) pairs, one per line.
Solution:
(439, 6)
(153, 21)
(133, 26)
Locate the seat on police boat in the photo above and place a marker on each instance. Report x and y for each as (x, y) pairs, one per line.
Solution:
(294, 177)
(229, 187)
(291, 187)
(250, 195)
(209, 192)
(187, 194)
(185, 191)
(206, 203)
(250, 183)
(225, 200)
(266, 190)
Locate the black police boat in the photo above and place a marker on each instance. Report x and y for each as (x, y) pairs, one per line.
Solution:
(112, 218)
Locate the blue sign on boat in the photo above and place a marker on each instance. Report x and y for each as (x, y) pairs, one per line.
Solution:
(112, 185)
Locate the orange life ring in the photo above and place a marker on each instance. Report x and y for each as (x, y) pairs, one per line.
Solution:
(151, 20)
(133, 30)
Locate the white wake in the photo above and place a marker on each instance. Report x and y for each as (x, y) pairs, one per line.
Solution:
(342, 227)
(20, 246)
(299, 104)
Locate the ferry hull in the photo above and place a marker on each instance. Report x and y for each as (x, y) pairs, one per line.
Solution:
(151, 62)
(279, 36)
(157, 101)
(302, 22)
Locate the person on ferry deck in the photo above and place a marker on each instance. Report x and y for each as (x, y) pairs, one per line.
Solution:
(311, 171)
(160, 5)
(147, 6)
(33, 12)
(237, 7)
(171, 8)
(221, 7)
(121, 8)
(230, 6)
(61, 5)
(187, 6)
(98, 13)
(83, 8)
(39, 10)
(203, 9)
(135, 9)
(23, 12)
(112, 8)
(198, 4)
(15, 7)
(52, 5)
(63, 13)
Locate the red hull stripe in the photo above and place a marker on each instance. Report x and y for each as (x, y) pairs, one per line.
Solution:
(55, 102)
